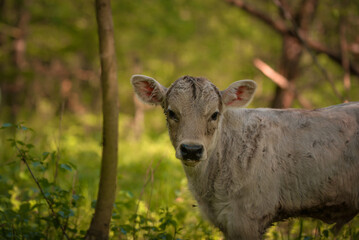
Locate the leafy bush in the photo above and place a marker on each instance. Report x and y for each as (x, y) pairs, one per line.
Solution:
(33, 205)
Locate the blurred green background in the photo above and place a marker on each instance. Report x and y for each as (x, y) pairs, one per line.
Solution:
(49, 80)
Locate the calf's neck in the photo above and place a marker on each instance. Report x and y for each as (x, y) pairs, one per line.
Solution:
(248, 168)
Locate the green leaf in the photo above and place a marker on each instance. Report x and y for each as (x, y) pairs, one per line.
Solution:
(37, 206)
(93, 204)
(72, 165)
(116, 216)
(65, 167)
(44, 182)
(20, 142)
(45, 155)
(126, 229)
(36, 164)
(6, 125)
(29, 146)
(71, 213)
(61, 213)
(53, 156)
(76, 197)
(73, 230)
(24, 208)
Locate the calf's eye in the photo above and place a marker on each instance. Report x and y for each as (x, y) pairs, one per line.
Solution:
(171, 115)
(214, 116)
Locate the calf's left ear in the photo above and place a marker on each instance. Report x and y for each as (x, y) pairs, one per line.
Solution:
(148, 89)
(239, 94)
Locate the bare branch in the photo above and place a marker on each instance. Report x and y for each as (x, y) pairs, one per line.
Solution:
(334, 55)
(304, 102)
(277, 78)
(281, 81)
(278, 25)
(281, 28)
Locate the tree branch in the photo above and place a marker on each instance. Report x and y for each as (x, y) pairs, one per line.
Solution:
(277, 78)
(281, 28)
(278, 25)
(281, 81)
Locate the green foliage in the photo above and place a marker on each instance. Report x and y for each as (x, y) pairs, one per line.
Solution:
(33, 205)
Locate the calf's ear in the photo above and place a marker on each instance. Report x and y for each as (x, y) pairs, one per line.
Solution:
(148, 89)
(239, 94)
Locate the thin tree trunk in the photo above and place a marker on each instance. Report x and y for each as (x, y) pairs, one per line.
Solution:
(100, 223)
(12, 87)
(345, 58)
(292, 49)
(291, 55)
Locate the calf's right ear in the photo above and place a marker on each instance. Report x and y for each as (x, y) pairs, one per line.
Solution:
(148, 89)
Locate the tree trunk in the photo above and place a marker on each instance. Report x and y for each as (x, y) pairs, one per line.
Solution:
(100, 223)
(12, 85)
(292, 49)
(291, 53)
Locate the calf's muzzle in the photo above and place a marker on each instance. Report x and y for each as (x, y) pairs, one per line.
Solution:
(191, 151)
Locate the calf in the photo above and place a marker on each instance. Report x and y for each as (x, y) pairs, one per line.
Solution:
(248, 168)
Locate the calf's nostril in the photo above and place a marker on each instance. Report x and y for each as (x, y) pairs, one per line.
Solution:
(191, 151)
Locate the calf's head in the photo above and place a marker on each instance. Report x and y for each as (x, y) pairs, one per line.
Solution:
(194, 108)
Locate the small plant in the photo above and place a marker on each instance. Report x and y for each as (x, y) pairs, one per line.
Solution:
(39, 208)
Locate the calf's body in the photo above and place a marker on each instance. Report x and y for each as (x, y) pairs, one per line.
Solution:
(258, 166)
(273, 164)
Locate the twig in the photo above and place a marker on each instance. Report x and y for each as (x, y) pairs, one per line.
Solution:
(73, 191)
(59, 142)
(54, 215)
(277, 78)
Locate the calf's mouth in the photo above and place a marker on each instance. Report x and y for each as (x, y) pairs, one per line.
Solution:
(190, 154)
